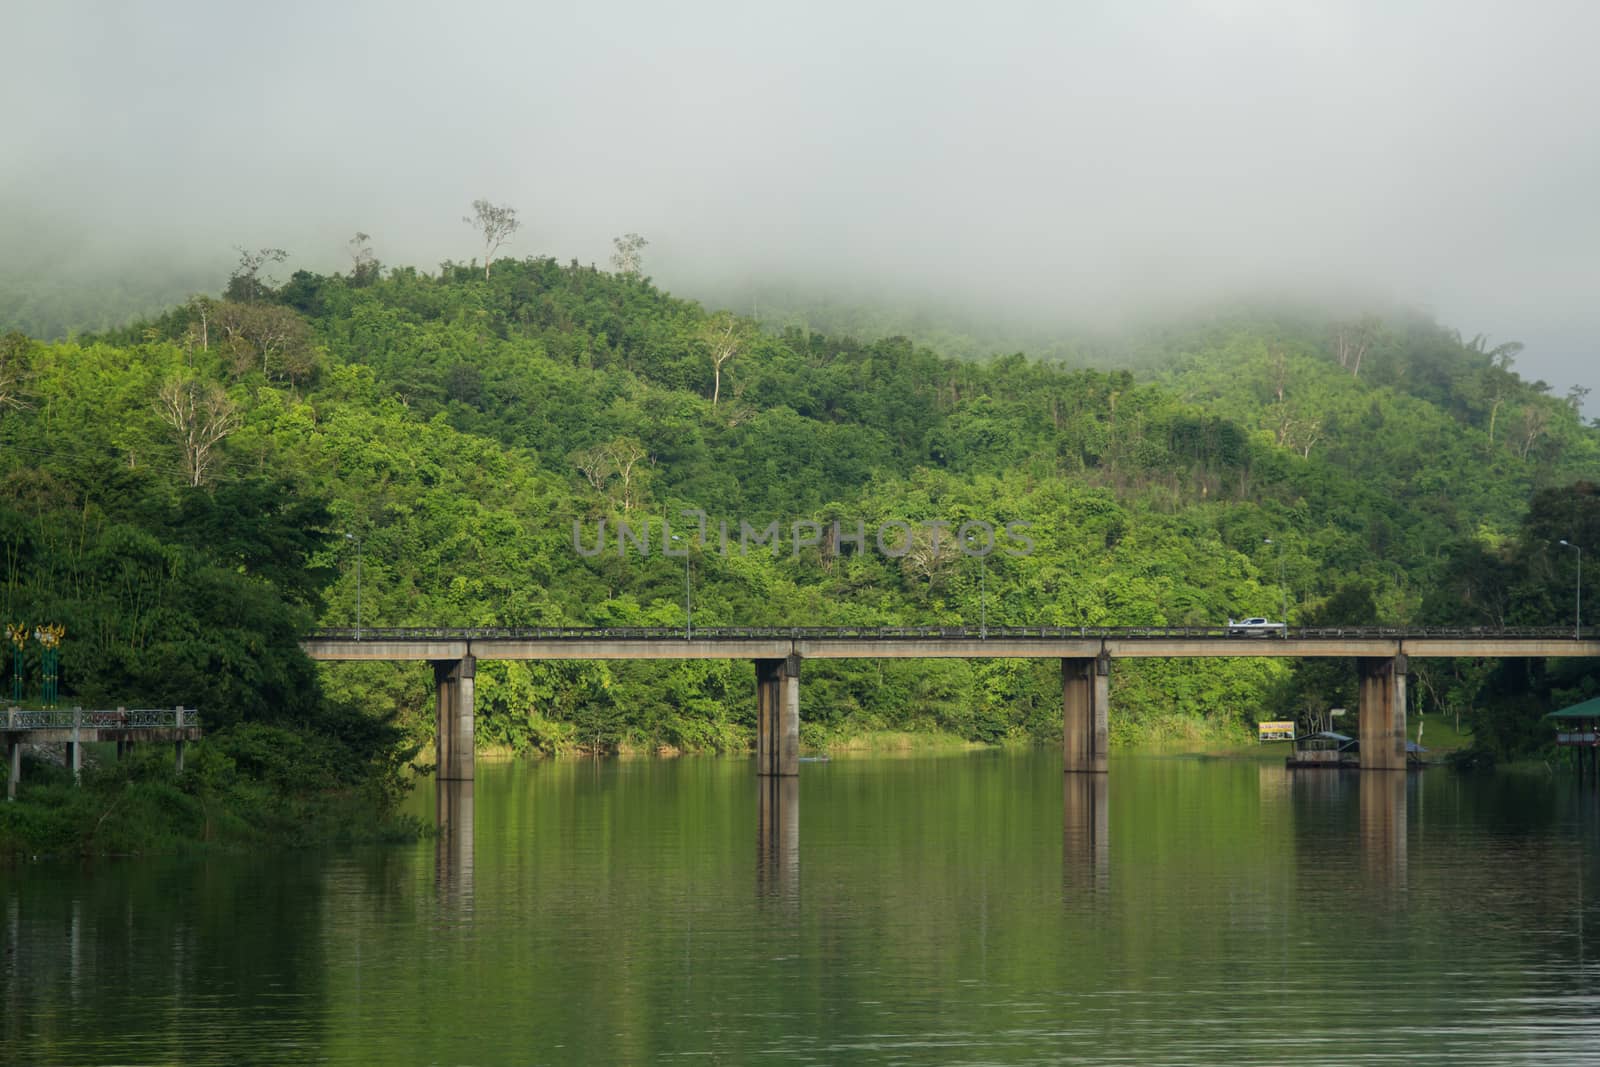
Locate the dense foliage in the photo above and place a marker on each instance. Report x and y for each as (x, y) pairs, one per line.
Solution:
(188, 494)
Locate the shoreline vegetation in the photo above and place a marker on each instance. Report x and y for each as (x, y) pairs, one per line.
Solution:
(187, 496)
(250, 787)
(139, 806)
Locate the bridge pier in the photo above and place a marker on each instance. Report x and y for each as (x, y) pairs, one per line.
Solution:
(1383, 713)
(453, 723)
(778, 716)
(14, 759)
(1085, 705)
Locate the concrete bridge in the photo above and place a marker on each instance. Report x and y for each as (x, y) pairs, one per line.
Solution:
(1085, 653)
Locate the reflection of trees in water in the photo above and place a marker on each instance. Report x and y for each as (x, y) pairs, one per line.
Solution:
(606, 907)
(1368, 845)
(164, 961)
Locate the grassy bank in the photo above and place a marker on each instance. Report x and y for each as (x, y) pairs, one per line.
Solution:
(890, 742)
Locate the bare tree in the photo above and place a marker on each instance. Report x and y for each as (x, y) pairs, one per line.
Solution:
(364, 265)
(1281, 421)
(724, 337)
(1353, 341)
(1280, 373)
(617, 459)
(200, 416)
(624, 455)
(247, 284)
(595, 463)
(1535, 421)
(200, 308)
(628, 258)
(929, 558)
(496, 223)
(1310, 434)
(1293, 429)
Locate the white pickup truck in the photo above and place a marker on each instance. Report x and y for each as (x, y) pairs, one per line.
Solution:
(1255, 628)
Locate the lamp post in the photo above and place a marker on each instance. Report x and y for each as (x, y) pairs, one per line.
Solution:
(357, 539)
(983, 589)
(983, 597)
(688, 600)
(1577, 614)
(1282, 592)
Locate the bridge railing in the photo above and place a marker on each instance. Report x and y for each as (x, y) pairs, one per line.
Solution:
(67, 718)
(923, 633)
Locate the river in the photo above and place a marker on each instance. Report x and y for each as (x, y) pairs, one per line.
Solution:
(980, 908)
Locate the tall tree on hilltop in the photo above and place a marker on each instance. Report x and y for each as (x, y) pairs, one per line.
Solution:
(247, 284)
(628, 259)
(1495, 381)
(364, 265)
(496, 223)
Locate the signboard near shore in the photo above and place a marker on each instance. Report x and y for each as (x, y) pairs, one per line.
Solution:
(1275, 731)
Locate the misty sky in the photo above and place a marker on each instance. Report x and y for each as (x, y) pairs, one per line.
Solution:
(1054, 159)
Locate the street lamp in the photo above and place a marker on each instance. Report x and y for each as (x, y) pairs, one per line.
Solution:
(983, 589)
(1577, 615)
(688, 601)
(1283, 593)
(983, 597)
(357, 539)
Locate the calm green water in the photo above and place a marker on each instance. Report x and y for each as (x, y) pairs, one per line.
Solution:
(966, 909)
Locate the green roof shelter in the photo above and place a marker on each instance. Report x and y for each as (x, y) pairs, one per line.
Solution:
(1578, 728)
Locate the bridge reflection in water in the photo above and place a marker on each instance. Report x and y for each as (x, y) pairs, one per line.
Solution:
(1085, 830)
(1085, 834)
(452, 849)
(1383, 828)
(778, 839)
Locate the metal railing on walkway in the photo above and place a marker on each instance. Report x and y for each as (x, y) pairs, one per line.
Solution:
(115, 718)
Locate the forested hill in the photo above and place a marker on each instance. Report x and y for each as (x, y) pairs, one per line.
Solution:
(449, 430)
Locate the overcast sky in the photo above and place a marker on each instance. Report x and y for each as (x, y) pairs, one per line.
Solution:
(1063, 158)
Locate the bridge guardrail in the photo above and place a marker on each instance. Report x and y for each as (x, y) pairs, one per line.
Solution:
(924, 633)
(67, 718)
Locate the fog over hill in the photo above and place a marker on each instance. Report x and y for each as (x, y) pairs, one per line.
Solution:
(1047, 163)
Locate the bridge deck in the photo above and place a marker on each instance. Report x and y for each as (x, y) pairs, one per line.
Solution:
(914, 643)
